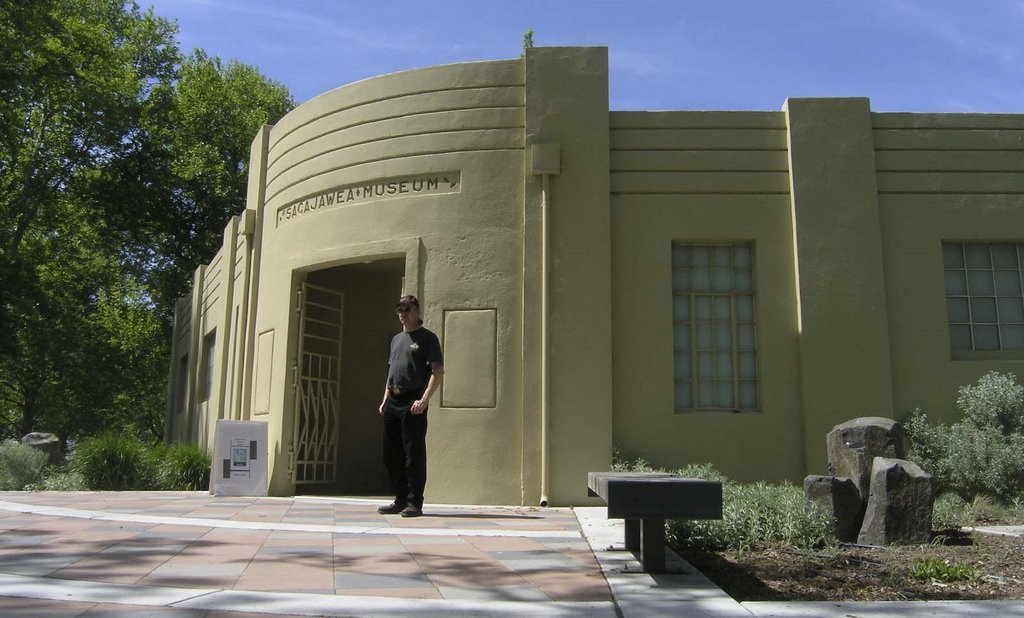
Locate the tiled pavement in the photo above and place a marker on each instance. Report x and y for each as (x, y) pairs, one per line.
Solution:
(146, 541)
(198, 556)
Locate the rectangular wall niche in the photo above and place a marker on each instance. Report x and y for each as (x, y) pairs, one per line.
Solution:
(470, 358)
(264, 367)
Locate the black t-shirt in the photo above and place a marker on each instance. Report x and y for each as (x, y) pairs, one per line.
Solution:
(412, 353)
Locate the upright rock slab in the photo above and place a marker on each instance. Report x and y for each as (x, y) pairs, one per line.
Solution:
(899, 510)
(840, 498)
(853, 446)
(47, 443)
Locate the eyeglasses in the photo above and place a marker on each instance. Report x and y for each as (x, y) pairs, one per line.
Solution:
(403, 309)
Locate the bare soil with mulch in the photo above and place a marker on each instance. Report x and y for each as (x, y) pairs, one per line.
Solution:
(855, 573)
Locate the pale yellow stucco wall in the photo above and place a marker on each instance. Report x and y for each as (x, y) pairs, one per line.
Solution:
(461, 247)
(564, 340)
(942, 177)
(701, 177)
(848, 267)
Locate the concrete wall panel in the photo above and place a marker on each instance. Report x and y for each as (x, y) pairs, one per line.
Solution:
(471, 347)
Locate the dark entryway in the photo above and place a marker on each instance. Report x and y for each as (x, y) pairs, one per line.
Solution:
(365, 294)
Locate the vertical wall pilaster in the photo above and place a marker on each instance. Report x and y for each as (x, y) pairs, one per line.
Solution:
(192, 416)
(254, 203)
(175, 394)
(225, 329)
(567, 104)
(845, 363)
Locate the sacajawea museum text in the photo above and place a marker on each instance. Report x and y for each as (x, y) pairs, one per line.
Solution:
(395, 187)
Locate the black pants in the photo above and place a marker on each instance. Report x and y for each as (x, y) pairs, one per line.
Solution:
(405, 449)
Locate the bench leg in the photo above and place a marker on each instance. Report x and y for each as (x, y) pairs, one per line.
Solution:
(633, 535)
(652, 551)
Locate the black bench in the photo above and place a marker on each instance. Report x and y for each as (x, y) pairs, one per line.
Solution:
(646, 499)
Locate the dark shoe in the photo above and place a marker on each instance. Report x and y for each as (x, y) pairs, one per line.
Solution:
(392, 509)
(412, 511)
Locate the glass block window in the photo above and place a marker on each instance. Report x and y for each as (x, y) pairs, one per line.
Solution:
(984, 302)
(714, 327)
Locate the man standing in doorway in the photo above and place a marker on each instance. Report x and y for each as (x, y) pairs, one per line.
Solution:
(415, 371)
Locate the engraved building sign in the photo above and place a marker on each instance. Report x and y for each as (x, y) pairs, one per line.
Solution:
(429, 184)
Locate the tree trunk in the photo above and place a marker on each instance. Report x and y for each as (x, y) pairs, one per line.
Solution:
(28, 415)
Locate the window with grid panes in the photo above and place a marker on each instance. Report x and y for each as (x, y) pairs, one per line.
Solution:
(984, 302)
(714, 328)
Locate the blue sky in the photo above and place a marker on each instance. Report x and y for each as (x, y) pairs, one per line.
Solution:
(906, 55)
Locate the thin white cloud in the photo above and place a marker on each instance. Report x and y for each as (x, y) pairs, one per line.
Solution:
(311, 23)
(957, 33)
(636, 63)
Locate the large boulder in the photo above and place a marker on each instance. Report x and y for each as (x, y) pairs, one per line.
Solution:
(899, 509)
(854, 445)
(47, 443)
(840, 498)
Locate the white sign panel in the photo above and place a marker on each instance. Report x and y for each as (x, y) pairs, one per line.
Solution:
(239, 459)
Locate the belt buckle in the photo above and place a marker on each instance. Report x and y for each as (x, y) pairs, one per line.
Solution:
(396, 391)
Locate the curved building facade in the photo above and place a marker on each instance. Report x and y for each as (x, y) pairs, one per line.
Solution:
(682, 286)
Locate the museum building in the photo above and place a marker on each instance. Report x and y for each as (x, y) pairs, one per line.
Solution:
(685, 286)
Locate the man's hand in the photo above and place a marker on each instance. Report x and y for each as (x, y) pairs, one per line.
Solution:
(418, 406)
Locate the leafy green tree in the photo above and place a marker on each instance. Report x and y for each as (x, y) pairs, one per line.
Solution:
(56, 366)
(120, 164)
(173, 201)
(74, 76)
(72, 87)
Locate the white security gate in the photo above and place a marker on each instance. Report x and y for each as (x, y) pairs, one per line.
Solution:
(317, 397)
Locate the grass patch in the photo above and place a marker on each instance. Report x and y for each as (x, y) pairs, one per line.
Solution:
(945, 571)
(184, 467)
(114, 462)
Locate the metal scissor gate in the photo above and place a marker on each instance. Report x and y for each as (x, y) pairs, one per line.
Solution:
(317, 397)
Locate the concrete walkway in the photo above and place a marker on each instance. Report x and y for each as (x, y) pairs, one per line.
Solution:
(195, 555)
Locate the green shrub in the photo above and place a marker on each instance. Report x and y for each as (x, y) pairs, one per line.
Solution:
(705, 471)
(951, 511)
(21, 466)
(757, 514)
(1015, 509)
(622, 463)
(995, 402)
(112, 461)
(752, 514)
(983, 453)
(184, 467)
(62, 480)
